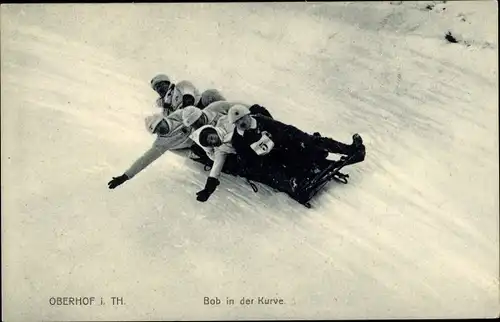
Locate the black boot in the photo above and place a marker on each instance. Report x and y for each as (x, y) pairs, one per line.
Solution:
(357, 140)
(357, 151)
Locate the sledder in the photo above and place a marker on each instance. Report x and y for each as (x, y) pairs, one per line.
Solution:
(216, 141)
(286, 158)
(178, 96)
(214, 137)
(171, 135)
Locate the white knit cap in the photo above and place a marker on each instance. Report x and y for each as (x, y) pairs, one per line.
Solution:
(186, 88)
(159, 78)
(236, 112)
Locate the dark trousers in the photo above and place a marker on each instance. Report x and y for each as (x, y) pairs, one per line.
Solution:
(331, 145)
(353, 153)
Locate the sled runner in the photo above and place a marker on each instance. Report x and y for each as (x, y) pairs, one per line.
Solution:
(310, 188)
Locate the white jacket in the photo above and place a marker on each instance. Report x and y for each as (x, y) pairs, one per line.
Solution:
(176, 139)
(218, 109)
(174, 96)
(218, 154)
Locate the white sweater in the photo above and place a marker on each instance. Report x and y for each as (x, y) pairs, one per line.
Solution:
(218, 154)
(177, 138)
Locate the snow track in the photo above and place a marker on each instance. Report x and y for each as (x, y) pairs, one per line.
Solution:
(414, 233)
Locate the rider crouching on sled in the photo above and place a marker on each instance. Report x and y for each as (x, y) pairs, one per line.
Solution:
(282, 156)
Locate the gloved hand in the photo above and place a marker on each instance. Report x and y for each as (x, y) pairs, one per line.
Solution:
(116, 181)
(210, 187)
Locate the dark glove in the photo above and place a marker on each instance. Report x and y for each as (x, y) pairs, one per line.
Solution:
(210, 187)
(116, 181)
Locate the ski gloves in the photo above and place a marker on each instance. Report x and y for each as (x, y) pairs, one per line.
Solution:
(210, 187)
(117, 181)
(202, 195)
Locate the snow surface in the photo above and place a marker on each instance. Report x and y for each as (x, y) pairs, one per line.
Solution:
(414, 234)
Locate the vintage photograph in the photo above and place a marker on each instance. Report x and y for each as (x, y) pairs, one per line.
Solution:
(250, 161)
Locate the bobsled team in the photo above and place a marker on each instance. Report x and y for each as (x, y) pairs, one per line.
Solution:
(237, 139)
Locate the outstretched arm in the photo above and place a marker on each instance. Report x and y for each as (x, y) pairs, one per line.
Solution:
(219, 160)
(213, 179)
(146, 159)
